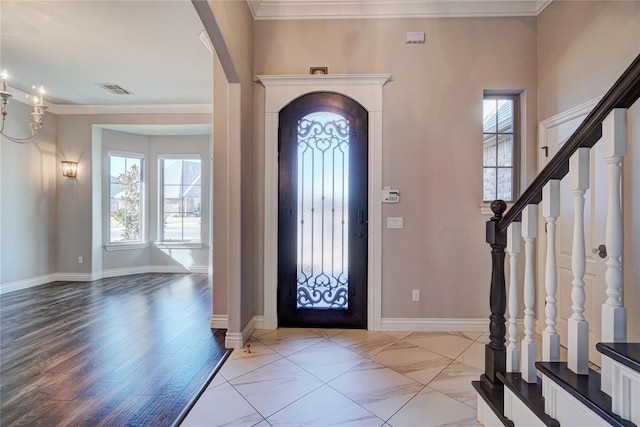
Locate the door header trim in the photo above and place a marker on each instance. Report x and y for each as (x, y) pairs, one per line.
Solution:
(281, 90)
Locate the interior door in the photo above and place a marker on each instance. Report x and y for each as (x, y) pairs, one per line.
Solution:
(322, 223)
(595, 219)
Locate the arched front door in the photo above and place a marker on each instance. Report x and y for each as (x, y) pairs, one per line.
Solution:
(322, 214)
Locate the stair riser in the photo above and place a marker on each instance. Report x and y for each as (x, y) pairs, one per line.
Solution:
(518, 412)
(565, 408)
(625, 392)
(486, 417)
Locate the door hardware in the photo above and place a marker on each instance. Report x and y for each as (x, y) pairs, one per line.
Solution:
(601, 251)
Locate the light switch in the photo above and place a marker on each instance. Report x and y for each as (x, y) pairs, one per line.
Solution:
(395, 222)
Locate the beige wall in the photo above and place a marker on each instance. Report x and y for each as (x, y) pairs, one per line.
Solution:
(74, 197)
(432, 138)
(583, 47)
(27, 198)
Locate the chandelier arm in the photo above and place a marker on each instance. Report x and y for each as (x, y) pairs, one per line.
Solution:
(17, 140)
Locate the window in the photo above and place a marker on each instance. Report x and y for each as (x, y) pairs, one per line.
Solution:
(125, 198)
(181, 188)
(500, 123)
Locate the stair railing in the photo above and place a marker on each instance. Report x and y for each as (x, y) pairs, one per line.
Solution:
(607, 121)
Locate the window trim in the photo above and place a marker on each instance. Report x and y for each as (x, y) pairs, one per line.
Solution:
(142, 243)
(161, 243)
(517, 96)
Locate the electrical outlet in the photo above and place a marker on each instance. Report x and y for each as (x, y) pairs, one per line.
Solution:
(80, 259)
(415, 295)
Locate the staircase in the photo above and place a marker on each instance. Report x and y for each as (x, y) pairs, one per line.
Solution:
(516, 389)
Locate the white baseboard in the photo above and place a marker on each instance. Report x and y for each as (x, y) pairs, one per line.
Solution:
(27, 283)
(238, 339)
(258, 322)
(117, 272)
(434, 324)
(77, 277)
(89, 277)
(219, 321)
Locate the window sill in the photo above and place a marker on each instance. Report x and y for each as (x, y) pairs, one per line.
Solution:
(178, 245)
(124, 246)
(485, 208)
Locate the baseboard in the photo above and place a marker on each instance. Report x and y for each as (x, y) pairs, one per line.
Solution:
(89, 277)
(434, 324)
(117, 272)
(258, 322)
(27, 283)
(219, 321)
(77, 277)
(238, 339)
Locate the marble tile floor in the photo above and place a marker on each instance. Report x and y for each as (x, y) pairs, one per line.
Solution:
(329, 377)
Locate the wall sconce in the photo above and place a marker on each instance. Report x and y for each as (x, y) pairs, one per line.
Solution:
(69, 169)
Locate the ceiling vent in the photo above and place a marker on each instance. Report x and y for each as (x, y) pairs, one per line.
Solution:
(115, 89)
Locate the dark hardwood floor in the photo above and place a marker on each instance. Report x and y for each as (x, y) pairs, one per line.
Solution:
(133, 350)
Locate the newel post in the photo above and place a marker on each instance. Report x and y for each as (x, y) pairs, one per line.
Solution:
(495, 356)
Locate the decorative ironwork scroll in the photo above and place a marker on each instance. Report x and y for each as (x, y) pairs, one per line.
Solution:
(323, 211)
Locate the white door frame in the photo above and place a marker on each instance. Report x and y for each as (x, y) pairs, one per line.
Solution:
(279, 92)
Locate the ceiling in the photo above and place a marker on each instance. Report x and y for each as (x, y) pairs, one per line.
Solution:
(152, 47)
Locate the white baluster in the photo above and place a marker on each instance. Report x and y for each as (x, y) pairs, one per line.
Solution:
(551, 212)
(614, 315)
(578, 327)
(529, 233)
(513, 249)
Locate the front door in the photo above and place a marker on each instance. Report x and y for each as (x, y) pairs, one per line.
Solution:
(322, 214)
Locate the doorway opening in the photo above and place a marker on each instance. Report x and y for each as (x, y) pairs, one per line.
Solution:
(323, 212)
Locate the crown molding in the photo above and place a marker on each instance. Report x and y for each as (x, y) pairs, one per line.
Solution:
(25, 98)
(359, 9)
(133, 109)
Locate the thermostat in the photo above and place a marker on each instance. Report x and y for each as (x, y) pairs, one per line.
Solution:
(390, 195)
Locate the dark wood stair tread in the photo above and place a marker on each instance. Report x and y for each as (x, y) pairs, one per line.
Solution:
(585, 388)
(627, 353)
(529, 394)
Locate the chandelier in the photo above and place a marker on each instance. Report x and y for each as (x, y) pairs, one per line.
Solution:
(37, 115)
